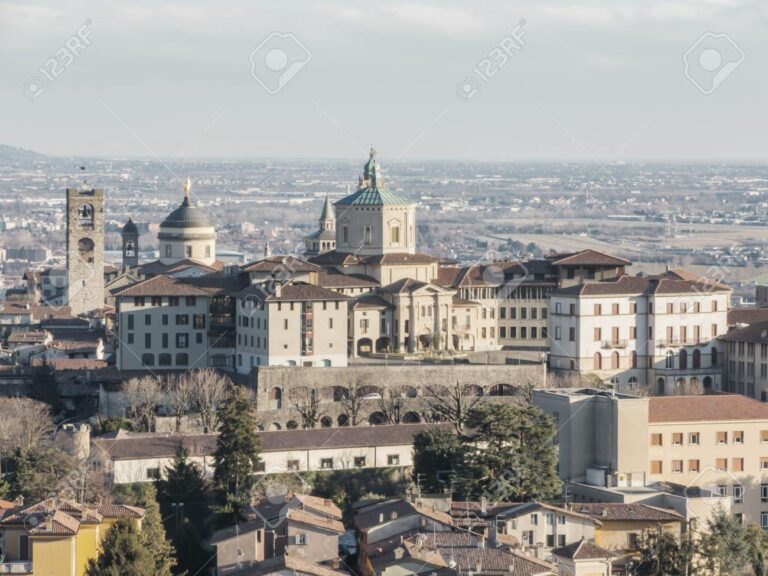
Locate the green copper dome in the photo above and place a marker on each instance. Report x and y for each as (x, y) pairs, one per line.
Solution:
(372, 191)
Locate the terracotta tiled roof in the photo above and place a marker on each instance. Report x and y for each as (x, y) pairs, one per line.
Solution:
(322, 505)
(294, 292)
(589, 258)
(706, 408)
(305, 517)
(162, 286)
(627, 512)
(120, 511)
(747, 316)
(371, 301)
(582, 550)
(400, 259)
(390, 510)
(289, 262)
(335, 279)
(641, 285)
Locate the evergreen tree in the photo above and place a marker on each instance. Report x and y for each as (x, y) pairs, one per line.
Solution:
(123, 553)
(183, 483)
(725, 546)
(757, 542)
(510, 454)
(661, 554)
(153, 534)
(237, 451)
(33, 472)
(437, 455)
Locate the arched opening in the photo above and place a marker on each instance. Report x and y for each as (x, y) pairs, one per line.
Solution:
(370, 392)
(148, 359)
(291, 425)
(683, 359)
(275, 426)
(164, 359)
(85, 215)
(343, 420)
(694, 385)
(364, 346)
(276, 398)
(632, 382)
(326, 422)
(85, 247)
(660, 386)
(502, 390)
(339, 393)
(707, 383)
(597, 361)
(696, 360)
(473, 390)
(376, 419)
(383, 344)
(411, 418)
(615, 361)
(713, 356)
(679, 384)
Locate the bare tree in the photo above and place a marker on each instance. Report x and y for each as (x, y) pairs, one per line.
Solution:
(180, 394)
(24, 423)
(306, 401)
(451, 403)
(351, 397)
(208, 390)
(143, 396)
(393, 404)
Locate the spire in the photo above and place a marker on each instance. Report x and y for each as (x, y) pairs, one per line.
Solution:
(372, 171)
(327, 213)
(187, 186)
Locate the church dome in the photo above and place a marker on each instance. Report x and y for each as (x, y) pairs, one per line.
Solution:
(130, 227)
(187, 216)
(372, 191)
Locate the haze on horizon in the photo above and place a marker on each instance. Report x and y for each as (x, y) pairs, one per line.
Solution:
(595, 80)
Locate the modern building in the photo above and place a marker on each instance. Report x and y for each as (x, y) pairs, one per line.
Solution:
(638, 330)
(712, 446)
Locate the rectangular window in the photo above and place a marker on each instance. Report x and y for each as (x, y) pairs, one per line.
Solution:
(693, 466)
(138, 301)
(165, 320)
(656, 467)
(763, 463)
(292, 464)
(764, 520)
(572, 334)
(147, 319)
(182, 319)
(722, 437)
(598, 333)
(359, 461)
(326, 463)
(561, 540)
(677, 439)
(763, 492)
(153, 473)
(198, 321)
(677, 466)
(165, 339)
(615, 309)
(656, 439)
(738, 494)
(182, 341)
(598, 309)
(693, 438)
(393, 460)
(173, 300)
(147, 341)
(738, 437)
(130, 337)
(737, 464)
(157, 300)
(191, 300)
(721, 464)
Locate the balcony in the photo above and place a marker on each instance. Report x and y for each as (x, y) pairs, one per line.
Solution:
(615, 343)
(679, 342)
(19, 567)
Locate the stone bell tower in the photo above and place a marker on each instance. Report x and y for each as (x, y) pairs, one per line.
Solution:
(130, 236)
(85, 249)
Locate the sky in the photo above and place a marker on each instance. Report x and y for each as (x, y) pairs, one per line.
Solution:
(494, 80)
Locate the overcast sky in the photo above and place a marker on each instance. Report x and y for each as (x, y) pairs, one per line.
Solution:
(596, 79)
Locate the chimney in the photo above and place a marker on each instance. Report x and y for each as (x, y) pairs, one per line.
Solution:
(18, 501)
(493, 536)
(483, 505)
(278, 289)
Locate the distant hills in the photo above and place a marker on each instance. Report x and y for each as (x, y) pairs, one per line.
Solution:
(16, 153)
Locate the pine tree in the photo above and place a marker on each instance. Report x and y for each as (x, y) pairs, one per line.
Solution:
(153, 532)
(511, 455)
(237, 451)
(725, 545)
(183, 483)
(437, 455)
(123, 553)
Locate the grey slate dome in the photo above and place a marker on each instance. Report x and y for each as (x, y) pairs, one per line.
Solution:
(186, 216)
(130, 228)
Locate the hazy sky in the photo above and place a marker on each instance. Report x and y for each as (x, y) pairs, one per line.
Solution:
(595, 79)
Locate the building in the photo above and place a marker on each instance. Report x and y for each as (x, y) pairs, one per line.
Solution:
(126, 458)
(85, 249)
(713, 447)
(324, 239)
(56, 536)
(746, 360)
(296, 526)
(583, 558)
(633, 331)
(130, 238)
(187, 233)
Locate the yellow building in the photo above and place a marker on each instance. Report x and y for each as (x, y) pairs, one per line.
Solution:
(56, 537)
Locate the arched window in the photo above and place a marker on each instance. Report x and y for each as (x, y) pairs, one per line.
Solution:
(696, 359)
(660, 385)
(634, 359)
(680, 383)
(85, 215)
(632, 381)
(164, 359)
(683, 359)
(615, 360)
(598, 361)
(182, 359)
(148, 359)
(714, 356)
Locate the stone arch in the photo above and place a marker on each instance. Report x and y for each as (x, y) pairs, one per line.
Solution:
(275, 398)
(370, 390)
(473, 390)
(660, 386)
(615, 360)
(376, 419)
(364, 346)
(275, 426)
(502, 390)
(326, 422)
(683, 360)
(343, 420)
(383, 344)
(291, 425)
(597, 361)
(411, 418)
(696, 359)
(707, 383)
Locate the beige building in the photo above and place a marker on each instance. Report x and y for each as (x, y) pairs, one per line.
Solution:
(661, 331)
(746, 365)
(713, 447)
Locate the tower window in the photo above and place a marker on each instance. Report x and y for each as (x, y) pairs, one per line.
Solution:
(167, 250)
(188, 251)
(395, 234)
(345, 234)
(85, 215)
(368, 235)
(208, 251)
